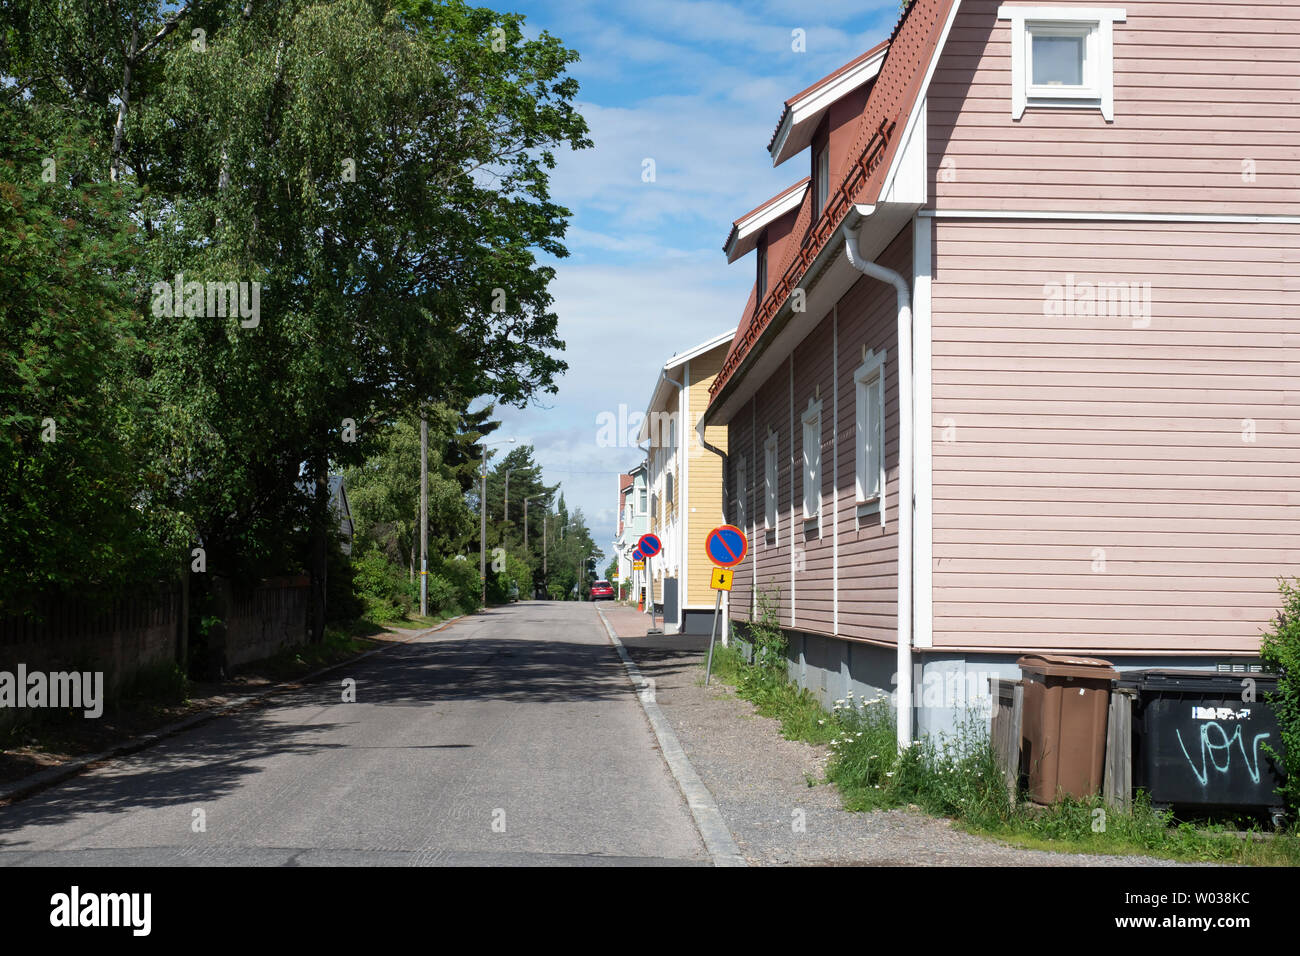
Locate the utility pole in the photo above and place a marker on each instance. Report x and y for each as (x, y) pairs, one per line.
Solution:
(540, 494)
(424, 515)
(482, 510)
(505, 508)
(482, 539)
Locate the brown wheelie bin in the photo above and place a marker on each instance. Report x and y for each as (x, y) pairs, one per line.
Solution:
(1063, 728)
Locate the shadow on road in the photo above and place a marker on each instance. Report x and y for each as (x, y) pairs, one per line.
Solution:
(208, 762)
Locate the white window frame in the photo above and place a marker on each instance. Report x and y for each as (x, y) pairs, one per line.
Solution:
(869, 380)
(742, 494)
(812, 467)
(771, 485)
(1096, 24)
(643, 501)
(821, 181)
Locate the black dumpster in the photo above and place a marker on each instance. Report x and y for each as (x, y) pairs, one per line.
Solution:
(1201, 739)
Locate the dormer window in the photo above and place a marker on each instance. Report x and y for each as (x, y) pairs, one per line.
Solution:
(1062, 57)
(762, 270)
(821, 181)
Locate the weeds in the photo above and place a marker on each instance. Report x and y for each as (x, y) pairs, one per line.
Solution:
(956, 776)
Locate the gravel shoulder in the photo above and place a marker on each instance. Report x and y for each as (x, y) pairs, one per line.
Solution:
(761, 780)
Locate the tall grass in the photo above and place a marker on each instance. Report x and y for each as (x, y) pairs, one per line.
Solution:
(956, 775)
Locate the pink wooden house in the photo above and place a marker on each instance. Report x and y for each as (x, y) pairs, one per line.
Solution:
(1021, 368)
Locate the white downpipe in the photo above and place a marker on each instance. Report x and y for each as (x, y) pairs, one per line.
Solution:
(905, 495)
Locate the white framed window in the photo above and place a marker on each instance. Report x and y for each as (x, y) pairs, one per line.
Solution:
(668, 487)
(770, 477)
(761, 270)
(821, 181)
(643, 501)
(742, 495)
(812, 466)
(869, 382)
(1062, 57)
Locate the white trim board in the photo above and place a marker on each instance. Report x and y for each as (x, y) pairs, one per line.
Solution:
(1101, 20)
(684, 514)
(745, 232)
(917, 123)
(804, 114)
(1244, 218)
(922, 437)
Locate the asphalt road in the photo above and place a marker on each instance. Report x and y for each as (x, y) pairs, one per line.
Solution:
(514, 737)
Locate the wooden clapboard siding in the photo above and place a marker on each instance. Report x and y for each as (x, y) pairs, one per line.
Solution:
(868, 560)
(772, 552)
(1075, 433)
(1200, 90)
(705, 470)
(868, 568)
(814, 561)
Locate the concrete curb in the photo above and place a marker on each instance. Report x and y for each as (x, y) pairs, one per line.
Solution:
(708, 818)
(57, 774)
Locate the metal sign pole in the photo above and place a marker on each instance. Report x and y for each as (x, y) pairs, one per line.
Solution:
(717, 607)
(649, 570)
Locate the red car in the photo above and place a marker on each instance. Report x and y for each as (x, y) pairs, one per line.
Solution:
(602, 591)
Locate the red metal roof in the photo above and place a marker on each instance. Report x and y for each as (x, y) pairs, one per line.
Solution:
(789, 104)
(735, 223)
(891, 101)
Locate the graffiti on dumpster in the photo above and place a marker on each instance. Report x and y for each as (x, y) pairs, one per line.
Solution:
(1213, 749)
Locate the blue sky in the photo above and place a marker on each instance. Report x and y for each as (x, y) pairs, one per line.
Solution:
(698, 87)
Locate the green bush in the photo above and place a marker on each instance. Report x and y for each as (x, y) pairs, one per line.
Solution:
(383, 587)
(442, 594)
(501, 584)
(342, 603)
(1280, 651)
(464, 579)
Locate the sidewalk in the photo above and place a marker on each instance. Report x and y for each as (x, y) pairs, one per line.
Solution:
(761, 781)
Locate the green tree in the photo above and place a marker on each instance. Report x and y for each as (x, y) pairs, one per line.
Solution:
(74, 493)
(384, 491)
(388, 206)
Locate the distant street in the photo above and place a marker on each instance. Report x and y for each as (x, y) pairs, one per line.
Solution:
(512, 737)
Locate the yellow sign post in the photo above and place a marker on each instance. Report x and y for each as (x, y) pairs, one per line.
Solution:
(722, 579)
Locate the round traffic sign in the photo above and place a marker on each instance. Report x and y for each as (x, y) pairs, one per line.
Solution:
(726, 545)
(649, 545)
(637, 555)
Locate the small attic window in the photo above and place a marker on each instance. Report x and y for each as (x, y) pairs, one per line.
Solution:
(1062, 57)
(821, 181)
(1059, 59)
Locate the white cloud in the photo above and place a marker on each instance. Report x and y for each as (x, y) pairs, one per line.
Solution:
(698, 86)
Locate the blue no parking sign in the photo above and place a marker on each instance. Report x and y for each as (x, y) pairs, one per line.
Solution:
(726, 545)
(649, 545)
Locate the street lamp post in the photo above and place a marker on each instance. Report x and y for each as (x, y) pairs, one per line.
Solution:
(482, 512)
(424, 515)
